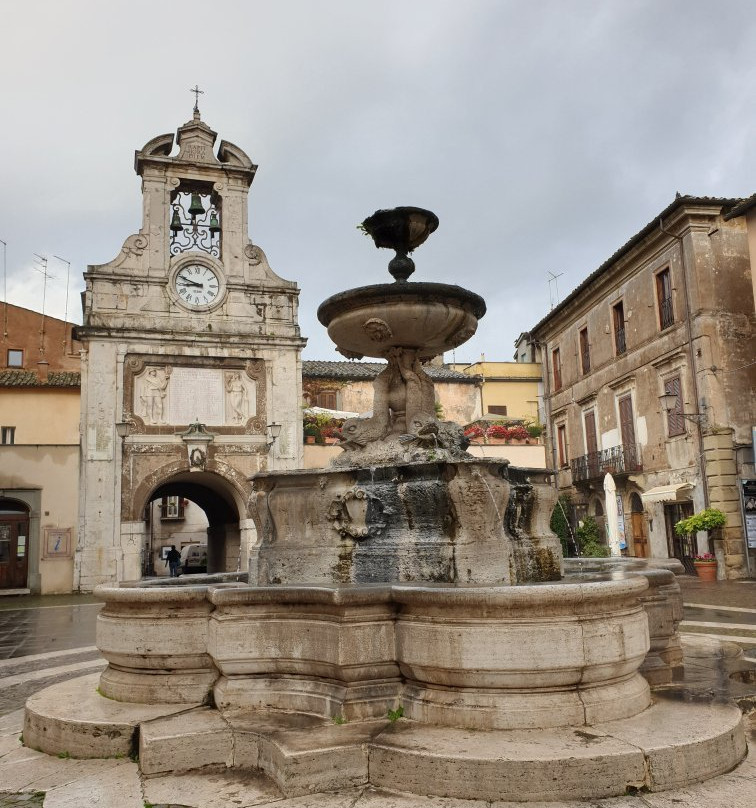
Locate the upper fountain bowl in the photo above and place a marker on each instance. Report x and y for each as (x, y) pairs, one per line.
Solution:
(427, 317)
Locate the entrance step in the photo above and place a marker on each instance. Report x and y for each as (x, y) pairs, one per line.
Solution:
(73, 719)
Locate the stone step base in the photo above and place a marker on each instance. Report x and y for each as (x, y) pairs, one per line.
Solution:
(301, 753)
(73, 719)
(673, 743)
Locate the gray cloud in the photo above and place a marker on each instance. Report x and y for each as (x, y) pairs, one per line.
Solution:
(542, 134)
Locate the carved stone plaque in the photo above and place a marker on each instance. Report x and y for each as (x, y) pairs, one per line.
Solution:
(182, 395)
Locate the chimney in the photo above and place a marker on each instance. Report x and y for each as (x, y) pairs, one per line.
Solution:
(43, 370)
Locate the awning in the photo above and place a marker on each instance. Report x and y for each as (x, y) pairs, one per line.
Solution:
(679, 492)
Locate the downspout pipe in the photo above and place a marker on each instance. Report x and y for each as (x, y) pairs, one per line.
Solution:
(691, 357)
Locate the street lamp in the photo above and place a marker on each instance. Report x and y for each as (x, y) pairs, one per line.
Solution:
(669, 402)
(122, 429)
(274, 430)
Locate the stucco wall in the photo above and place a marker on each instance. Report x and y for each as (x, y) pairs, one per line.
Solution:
(42, 415)
(46, 478)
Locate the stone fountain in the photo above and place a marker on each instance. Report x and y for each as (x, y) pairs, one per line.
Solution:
(406, 623)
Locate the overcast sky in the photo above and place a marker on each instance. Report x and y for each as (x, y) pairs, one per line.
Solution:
(543, 134)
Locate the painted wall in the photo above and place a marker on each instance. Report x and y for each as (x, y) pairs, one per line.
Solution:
(515, 385)
(41, 415)
(46, 478)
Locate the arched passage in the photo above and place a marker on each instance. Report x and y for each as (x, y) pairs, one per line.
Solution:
(220, 503)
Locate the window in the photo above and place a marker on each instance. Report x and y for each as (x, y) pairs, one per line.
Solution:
(497, 409)
(556, 365)
(326, 399)
(15, 358)
(664, 299)
(585, 352)
(172, 508)
(562, 446)
(7, 435)
(675, 421)
(618, 318)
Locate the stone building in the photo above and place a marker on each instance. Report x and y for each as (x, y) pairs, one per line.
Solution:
(39, 451)
(191, 352)
(348, 386)
(670, 313)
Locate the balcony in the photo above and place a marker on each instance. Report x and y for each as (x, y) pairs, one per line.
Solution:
(617, 460)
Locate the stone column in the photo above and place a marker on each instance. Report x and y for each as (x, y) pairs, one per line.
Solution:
(722, 485)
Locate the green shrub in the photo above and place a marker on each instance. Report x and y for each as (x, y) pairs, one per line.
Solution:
(708, 519)
(589, 539)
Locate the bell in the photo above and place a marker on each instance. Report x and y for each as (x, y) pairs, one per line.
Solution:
(176, 225)
(196, 209)
(214, 223)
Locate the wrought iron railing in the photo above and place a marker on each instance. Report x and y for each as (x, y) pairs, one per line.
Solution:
(623, 459)
(666, 314)
(619, 340)
(585, 360)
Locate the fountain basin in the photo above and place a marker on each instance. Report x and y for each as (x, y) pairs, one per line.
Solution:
(155, 642)
(445, 653)
(476, 521)
(428, 317)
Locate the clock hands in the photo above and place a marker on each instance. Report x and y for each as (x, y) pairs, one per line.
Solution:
(187, 282)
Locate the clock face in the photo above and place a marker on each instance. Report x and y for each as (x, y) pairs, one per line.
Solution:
(197, 285)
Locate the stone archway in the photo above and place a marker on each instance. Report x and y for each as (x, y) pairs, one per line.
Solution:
(224, 500)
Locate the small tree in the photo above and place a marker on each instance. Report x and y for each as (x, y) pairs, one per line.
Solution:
(589, 537)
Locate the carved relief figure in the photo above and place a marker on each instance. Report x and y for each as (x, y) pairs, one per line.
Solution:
(237, 397)
(154, 391)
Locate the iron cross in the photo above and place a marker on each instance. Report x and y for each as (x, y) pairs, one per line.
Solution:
(197, 93)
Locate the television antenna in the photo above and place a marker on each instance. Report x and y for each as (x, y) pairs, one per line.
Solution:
(555, 280)
(41, 267)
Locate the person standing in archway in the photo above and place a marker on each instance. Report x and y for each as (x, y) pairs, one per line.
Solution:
(173, 560)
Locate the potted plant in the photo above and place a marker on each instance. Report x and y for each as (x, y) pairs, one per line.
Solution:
(474, 432)
(707, 520)
(497, 433)
(706, 567)
(311, 433)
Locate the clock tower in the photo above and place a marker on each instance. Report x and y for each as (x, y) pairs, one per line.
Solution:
(191, 365)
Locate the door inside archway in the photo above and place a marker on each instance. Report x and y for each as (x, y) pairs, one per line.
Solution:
(638, 524)
(14, 544)
(196, 514)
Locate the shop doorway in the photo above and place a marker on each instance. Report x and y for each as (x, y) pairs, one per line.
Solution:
(14, 544)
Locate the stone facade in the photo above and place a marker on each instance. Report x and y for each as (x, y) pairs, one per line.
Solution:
(191, 342)
(671, 312)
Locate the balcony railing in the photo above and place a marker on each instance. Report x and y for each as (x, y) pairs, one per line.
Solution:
(616, 460)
